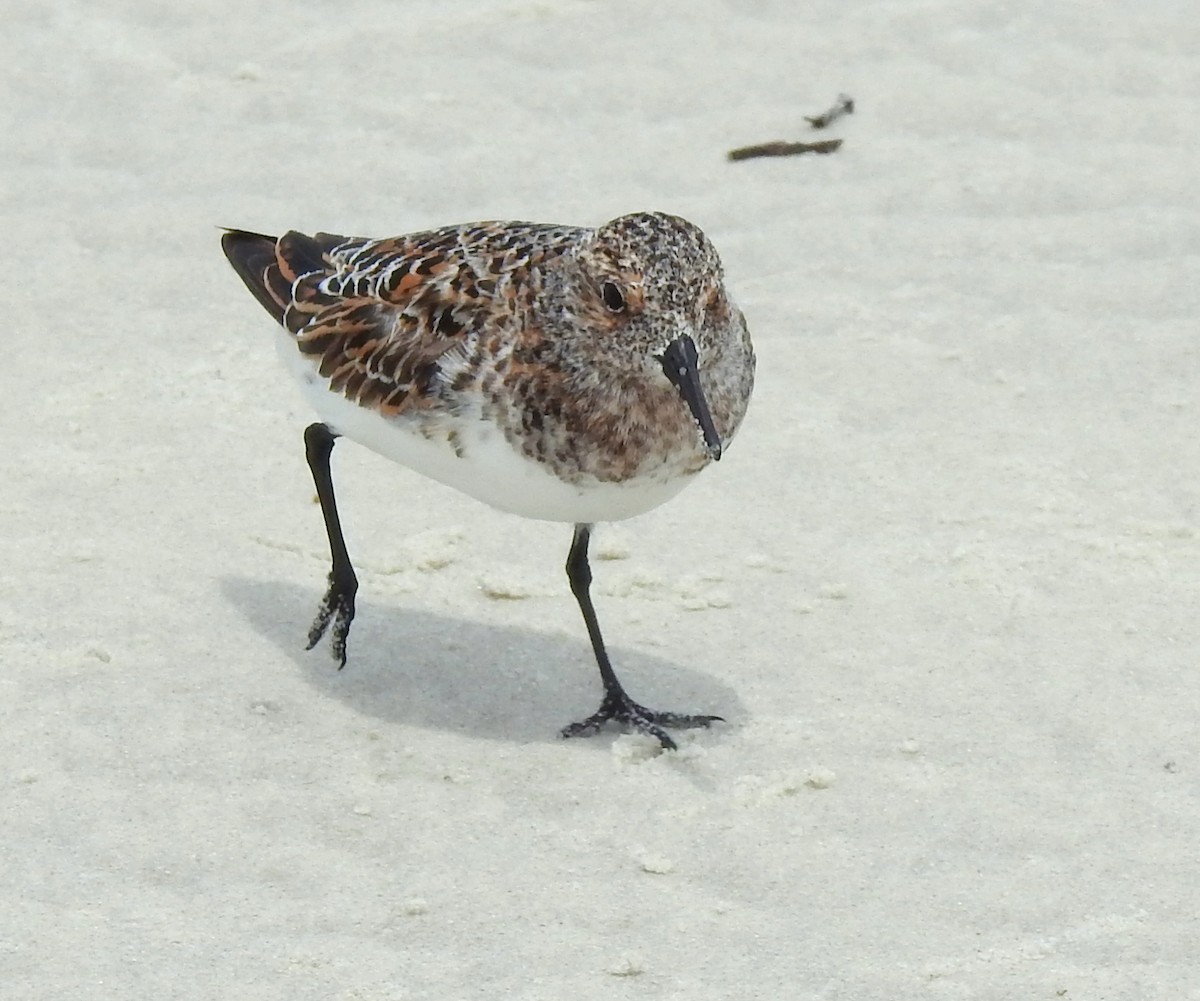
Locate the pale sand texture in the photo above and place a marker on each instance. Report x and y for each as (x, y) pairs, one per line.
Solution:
(945, 586)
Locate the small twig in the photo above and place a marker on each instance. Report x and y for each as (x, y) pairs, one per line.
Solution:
(784, 149)
(844, 105)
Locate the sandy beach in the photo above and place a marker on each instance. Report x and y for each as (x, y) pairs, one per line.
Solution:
(944, 586)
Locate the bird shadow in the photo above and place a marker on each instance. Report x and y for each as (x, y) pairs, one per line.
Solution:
(443, 672)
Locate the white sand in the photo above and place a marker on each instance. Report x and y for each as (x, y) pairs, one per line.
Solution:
(946, 584)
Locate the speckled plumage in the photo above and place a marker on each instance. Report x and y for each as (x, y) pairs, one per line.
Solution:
(557, 372)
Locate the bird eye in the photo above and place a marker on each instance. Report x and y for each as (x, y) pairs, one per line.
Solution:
(613, 298)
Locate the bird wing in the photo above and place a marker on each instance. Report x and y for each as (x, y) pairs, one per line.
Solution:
(376, 316)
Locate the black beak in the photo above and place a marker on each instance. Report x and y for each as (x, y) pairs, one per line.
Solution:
(680, 363)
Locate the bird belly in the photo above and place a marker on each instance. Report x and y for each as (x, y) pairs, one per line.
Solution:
(472, 455)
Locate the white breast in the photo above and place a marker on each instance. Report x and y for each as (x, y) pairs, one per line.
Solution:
(488, 469)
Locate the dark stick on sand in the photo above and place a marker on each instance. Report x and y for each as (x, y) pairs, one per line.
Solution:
(784, 149)
(844, 105)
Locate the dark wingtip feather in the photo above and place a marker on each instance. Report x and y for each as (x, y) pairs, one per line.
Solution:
(300, 253)
(253, 258)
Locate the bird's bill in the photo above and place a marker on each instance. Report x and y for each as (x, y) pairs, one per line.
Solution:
(680, 362)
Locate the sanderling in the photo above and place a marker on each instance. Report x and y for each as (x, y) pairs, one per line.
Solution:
(556, 372)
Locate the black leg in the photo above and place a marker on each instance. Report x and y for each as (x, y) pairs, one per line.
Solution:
(616, 704)
(338, 603)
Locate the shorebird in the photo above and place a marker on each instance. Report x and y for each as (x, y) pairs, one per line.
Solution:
(556, 372)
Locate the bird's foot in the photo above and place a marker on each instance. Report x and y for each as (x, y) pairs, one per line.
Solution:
(620, 708)
(337, 607)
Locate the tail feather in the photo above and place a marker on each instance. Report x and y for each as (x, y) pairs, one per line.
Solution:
(299, 254)
(253, 257)
(269, 266)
